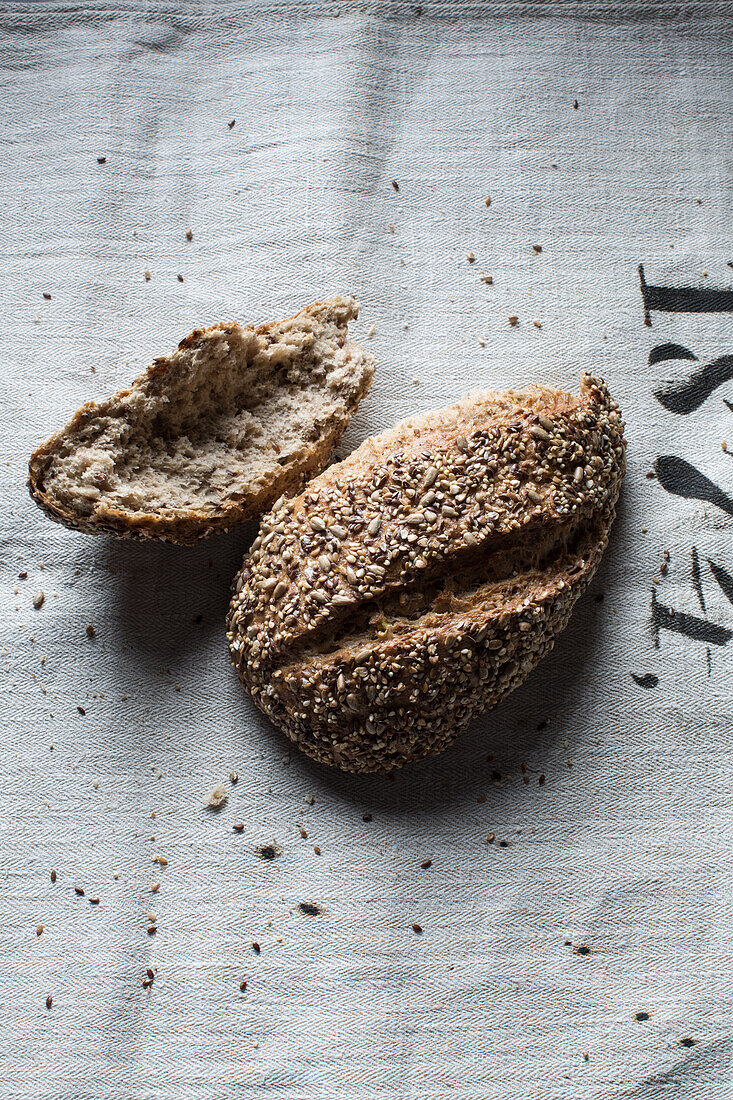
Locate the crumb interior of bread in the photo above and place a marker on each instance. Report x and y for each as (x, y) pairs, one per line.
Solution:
(213, 425)
(472, 583)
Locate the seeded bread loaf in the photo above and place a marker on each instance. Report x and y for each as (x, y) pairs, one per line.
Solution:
(410, 587)
(211, 435)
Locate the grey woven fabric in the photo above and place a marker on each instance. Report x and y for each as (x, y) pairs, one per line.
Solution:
(586, 951)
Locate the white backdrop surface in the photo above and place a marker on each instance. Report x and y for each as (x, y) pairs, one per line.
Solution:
(620, 843)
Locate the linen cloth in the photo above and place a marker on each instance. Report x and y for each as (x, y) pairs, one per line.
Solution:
(586, 951)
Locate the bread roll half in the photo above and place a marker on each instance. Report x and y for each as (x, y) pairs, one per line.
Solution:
(211, 435)
(415, 584)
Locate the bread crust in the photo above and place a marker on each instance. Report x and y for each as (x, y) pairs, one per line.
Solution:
(486, 520)
(186, 526)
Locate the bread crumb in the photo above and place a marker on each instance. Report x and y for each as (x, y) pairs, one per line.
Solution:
(160, 860)
(537, 324)
(513, 320)
(488, 279)
(38, 600)
(724, 446)
(180, 278)
(154, 887)
(147, 276)
(216, 798)
(537, 248)
(231, 124)
(233, 778)
(189, 234)
(487, 200)
(371, 330)
(470, 257)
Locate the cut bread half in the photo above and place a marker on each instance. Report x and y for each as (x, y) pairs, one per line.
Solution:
(211, 435)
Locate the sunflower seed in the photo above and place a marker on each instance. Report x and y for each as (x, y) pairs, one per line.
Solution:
(415, 519)
(351, 576)
(339, 532)
(317, 524)
(534, 496)
(538, 433)
(280, 590)
(374, 526)
(430, 475)
(352, 702)
(324, 563)
(547, 424)
(578, 475)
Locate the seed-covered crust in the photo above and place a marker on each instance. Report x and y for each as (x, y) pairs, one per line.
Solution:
(413, 585)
